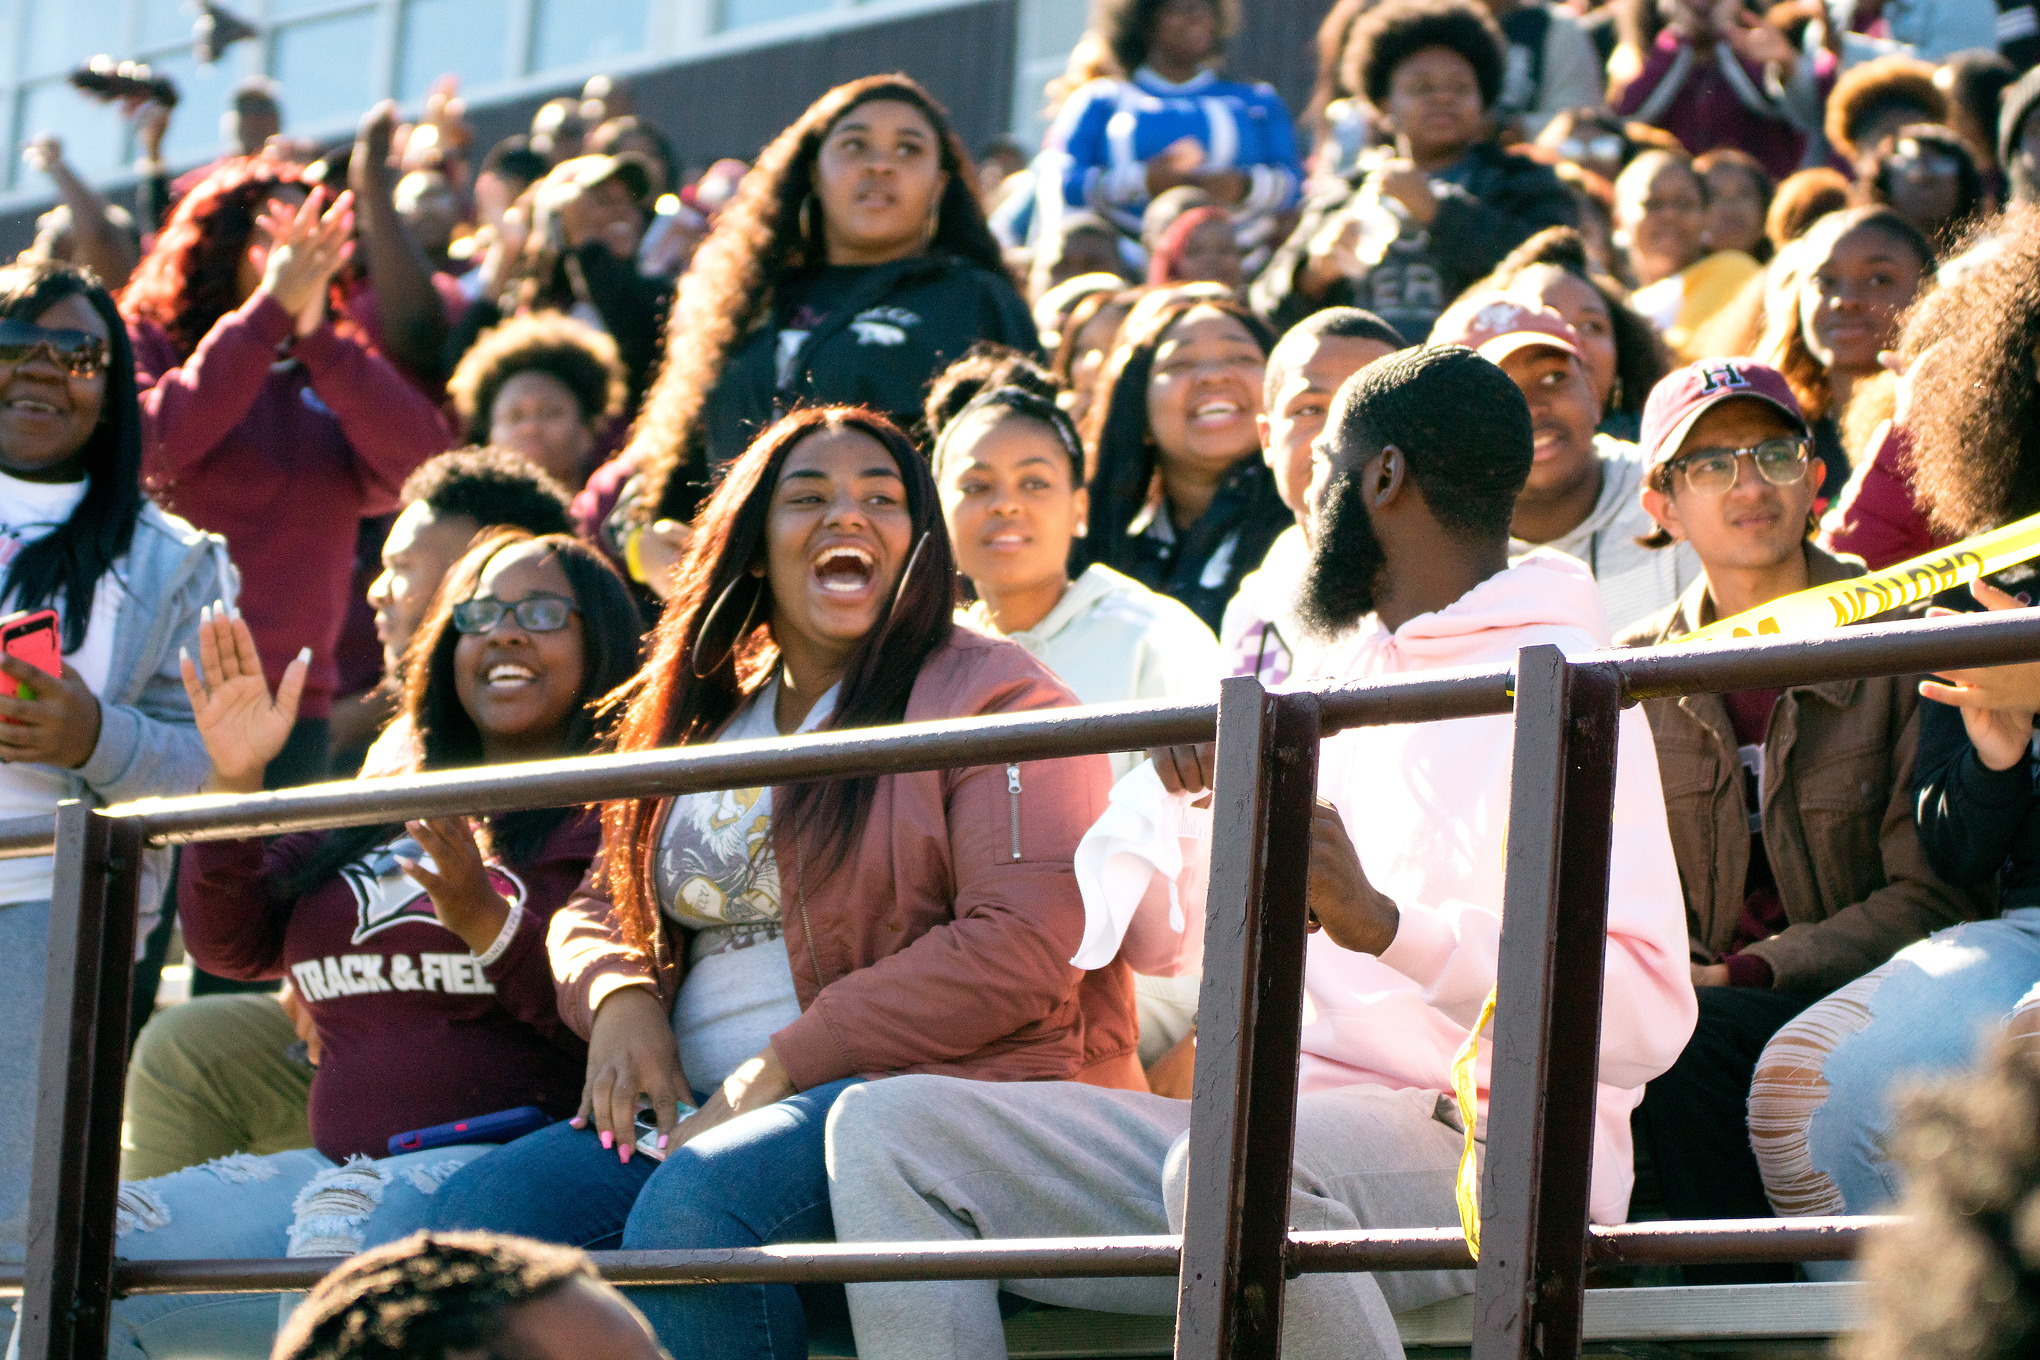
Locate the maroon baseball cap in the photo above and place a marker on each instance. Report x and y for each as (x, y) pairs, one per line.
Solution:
(1685, 394)
(1495, 325)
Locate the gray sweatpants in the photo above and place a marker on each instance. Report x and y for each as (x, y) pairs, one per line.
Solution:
(923, 1159)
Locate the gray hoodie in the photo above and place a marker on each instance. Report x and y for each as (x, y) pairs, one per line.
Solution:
(1635, 581)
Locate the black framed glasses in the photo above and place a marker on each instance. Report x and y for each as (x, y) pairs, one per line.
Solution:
(1712, 471)
(534, 613)
(78, 353)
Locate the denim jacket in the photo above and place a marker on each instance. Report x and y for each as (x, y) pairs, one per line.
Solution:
(148, 741)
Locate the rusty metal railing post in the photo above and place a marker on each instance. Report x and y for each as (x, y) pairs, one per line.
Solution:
(1250, 1016)
(1547, 1027)
(67, 1286)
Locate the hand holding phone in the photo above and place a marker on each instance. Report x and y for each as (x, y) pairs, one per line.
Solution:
(647, 1128)
(30, 636)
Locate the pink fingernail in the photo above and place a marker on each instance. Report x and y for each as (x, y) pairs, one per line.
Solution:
(623, 1154)
(663, 1140)
(608, 1139)
(578, 1122)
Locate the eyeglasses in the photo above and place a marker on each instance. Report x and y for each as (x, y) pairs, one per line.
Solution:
(80, 354)
(1712, 472)
(534, 613)
(1604, 146)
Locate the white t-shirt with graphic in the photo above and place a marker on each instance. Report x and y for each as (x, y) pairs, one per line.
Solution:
(718, 880)
(29, 511)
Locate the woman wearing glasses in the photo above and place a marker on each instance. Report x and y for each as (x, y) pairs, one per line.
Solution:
(126, 581)
(754, 952)
(1790, 810)
(418, 949)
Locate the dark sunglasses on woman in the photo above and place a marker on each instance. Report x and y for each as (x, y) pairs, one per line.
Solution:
(78, 353)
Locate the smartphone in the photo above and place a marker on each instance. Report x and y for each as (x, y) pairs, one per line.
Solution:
(501, 1127)
(32, 637)
(648, 1129)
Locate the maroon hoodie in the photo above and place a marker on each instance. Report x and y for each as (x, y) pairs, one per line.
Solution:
(414, 1030)
(283, 458)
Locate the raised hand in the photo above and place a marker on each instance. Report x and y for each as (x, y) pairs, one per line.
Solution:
(242, 727)
(458, 881)
(307, 248)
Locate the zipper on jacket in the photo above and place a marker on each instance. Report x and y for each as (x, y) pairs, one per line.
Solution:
(1013, 803)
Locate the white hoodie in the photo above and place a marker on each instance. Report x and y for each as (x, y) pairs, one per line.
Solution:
(1427, 807)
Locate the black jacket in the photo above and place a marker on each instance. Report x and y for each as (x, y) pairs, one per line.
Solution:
(1243, 520)
(1489, 203)
(885, 340)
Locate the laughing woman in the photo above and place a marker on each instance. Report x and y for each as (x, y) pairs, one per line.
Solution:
(1181, 498)
(419, 950)
(756, 951)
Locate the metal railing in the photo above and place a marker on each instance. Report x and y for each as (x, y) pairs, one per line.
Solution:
(1236, 1251)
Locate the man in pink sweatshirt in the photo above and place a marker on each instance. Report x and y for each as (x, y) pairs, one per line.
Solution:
(1413, 484)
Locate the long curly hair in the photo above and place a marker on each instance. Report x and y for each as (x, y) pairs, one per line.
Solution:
(721, 611)
(191, 278)
(772, 228)
(1974, 413)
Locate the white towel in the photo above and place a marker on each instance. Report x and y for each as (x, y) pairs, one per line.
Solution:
(1145, 831)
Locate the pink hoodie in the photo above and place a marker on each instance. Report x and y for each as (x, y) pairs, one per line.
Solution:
(1427, 806)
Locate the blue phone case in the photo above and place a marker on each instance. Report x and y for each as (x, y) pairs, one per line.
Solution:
(500, 1127)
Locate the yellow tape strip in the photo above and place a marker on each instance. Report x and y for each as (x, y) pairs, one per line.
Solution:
(1908, 583)
(1467, 1093)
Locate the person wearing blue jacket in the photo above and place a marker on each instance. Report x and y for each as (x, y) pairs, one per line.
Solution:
(1121, 139)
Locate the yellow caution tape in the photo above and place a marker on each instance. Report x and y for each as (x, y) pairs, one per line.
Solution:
(1467, 1092)
(1908, 583)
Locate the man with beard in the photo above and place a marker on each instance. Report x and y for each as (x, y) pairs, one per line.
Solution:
(1413, 482)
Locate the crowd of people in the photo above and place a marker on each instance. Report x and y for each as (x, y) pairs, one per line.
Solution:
(1541, 324)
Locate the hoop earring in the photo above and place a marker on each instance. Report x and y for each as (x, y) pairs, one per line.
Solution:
(743, 630)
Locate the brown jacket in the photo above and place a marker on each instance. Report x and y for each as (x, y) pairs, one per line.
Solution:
(1837, 814)
(928, 946)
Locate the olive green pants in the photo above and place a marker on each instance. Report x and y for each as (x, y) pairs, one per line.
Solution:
(212, 1076)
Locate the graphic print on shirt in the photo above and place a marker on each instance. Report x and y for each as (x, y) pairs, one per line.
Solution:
(385, 896)
(721, 867)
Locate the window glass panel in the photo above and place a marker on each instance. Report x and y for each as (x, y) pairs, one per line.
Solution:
(282, 9)
(442, 36)
(744, 13)
(326, 69)
(169, 21)
(570, 32)
(202, 91)
(94, 134)
(64, 33)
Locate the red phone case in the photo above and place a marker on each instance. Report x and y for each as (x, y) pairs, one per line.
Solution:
(31, 636)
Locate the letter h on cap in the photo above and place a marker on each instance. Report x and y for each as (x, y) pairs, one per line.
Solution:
(1714, 377)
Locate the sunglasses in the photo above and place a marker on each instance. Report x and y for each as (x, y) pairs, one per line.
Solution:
(1712, 472)
(534, 614)
(76, 352)
(1604, 146)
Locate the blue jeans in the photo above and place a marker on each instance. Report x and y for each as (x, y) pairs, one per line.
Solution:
(1820, 1107)
(755, 1180)
(296, 1203)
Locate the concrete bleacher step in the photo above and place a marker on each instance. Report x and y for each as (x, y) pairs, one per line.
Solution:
(1761, 1313)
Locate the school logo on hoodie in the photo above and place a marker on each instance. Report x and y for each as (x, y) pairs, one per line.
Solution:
(884, 325)
(386, 896)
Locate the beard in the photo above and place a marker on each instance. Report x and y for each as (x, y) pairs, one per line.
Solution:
(1346, 562)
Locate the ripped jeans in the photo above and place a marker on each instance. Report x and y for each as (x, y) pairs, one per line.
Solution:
(1821, 1106)
(296, 1203)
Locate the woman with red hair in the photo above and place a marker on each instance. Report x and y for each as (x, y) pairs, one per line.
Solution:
(266, 422)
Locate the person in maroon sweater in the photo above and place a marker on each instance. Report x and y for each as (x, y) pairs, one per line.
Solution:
(419, 950)
(266, 422)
